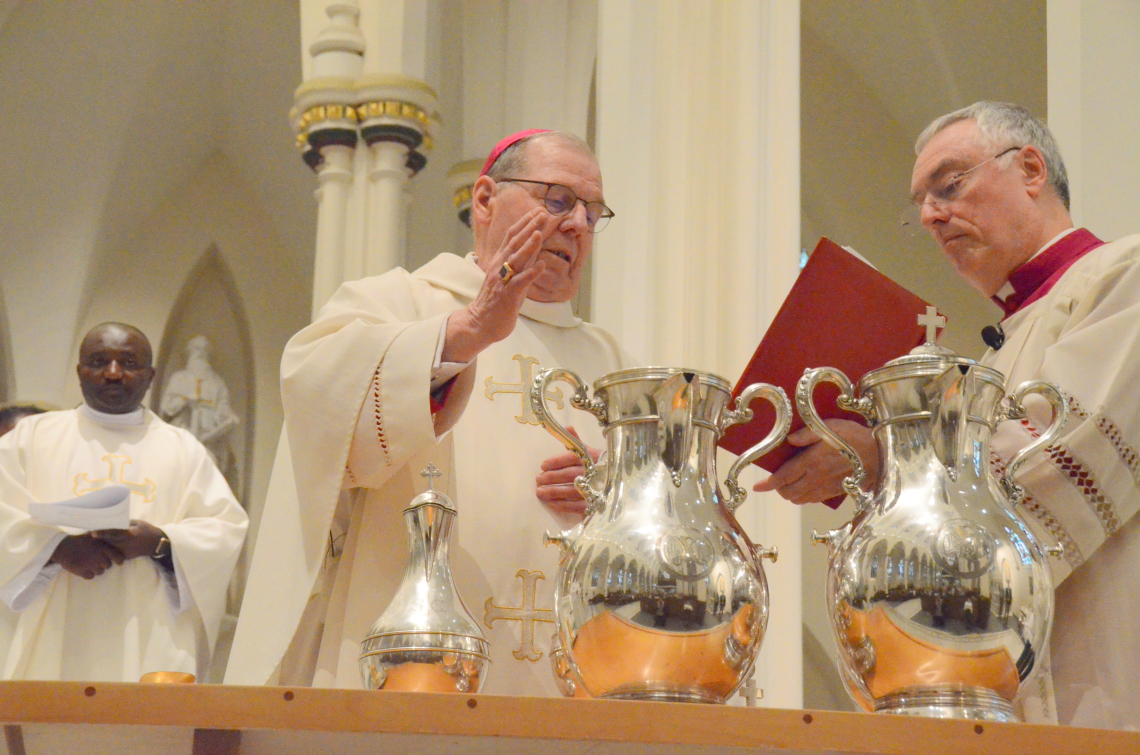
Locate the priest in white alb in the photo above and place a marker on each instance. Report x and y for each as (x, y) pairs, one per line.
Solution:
(990, 186)
(434, 366)
(86, 601)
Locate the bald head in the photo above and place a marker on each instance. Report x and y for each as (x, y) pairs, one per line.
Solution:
(513, 160)
(115, 331)
(114, 367)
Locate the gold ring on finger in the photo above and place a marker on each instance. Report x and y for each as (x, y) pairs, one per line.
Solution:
(506, 272)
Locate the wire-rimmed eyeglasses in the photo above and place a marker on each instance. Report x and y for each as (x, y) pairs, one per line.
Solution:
(560, 200)
(941, 194)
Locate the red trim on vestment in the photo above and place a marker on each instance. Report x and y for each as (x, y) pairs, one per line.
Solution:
(1037, 277)
(438, 397)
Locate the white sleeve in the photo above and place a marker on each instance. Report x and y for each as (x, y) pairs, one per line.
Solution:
(176, 586)
(441, 372)
(33, 579)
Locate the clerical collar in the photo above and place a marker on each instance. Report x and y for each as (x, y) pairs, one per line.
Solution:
(113, 420)
(1037, 277)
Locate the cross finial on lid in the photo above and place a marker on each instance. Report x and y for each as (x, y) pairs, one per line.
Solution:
(431, 473)
(932, 321)
(750, 691)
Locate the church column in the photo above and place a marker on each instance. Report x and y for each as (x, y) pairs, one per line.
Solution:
(325, 121)
(698, 138)
(484, 86)
(460, 182)
(546, 51)
(396, 113)
(551, 48)
(363, 82)
(394, 123)
(1093, 107)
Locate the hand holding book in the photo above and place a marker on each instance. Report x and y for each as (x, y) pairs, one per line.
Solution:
(840, 313)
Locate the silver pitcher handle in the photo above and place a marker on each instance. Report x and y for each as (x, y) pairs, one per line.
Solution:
(741, 413)
(579, 400)
(852, 485)
(1014, 409)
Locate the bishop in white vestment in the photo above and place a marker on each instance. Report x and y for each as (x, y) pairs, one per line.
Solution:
(150, 604)
(990, 186)
(1081, 332)
(370, 402)
(994, 194)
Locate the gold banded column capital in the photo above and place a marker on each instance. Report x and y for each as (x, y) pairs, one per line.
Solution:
(460, 181)
(323, 114)
(397, 108)
(375, 108)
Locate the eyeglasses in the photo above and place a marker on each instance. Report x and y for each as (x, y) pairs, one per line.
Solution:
(560, 200)
(942, 193)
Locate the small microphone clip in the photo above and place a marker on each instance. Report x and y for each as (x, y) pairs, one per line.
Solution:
(994, 336)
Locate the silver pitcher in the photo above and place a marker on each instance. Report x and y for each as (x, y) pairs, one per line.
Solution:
(939, 595)
(659, 595)
(426, 640)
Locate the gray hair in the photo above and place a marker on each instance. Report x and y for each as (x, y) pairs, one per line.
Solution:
(1004, 124)
(512, 161)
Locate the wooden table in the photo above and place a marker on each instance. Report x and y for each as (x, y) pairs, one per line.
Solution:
(67, 718)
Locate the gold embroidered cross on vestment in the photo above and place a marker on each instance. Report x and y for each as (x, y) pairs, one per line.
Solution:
(115, 464)
(527, 614)
(526, 378)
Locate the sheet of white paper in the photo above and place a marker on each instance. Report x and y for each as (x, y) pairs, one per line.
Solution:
(104, 509)
(861, 258)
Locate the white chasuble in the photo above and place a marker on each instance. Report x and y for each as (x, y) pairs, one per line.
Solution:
(385, 438)
(1083, 491)
(135, 617)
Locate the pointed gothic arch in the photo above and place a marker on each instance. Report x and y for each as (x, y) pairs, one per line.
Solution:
(209, 305)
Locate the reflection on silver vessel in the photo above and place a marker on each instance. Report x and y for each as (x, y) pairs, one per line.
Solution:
(426, 640)
(659, 595)
(939, 595)
(567, 679)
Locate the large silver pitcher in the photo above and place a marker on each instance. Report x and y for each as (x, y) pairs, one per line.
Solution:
(939, 595)
(660, 595)
(426, 640)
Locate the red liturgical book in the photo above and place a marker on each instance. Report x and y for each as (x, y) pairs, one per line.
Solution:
(840, 313)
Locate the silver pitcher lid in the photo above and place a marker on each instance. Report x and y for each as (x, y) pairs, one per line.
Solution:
(929, 350)
(928, 359)
(431, 496)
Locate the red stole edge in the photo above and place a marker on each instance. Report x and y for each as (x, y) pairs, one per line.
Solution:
(1037, 277)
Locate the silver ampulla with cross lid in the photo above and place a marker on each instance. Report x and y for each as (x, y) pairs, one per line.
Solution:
(426, 640)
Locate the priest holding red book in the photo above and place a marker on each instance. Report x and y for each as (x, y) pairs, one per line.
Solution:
(990, 186)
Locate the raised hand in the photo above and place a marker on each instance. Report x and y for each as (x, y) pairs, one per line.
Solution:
(492, 315)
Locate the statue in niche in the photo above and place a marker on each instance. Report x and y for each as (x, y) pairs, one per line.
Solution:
(196, 398)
